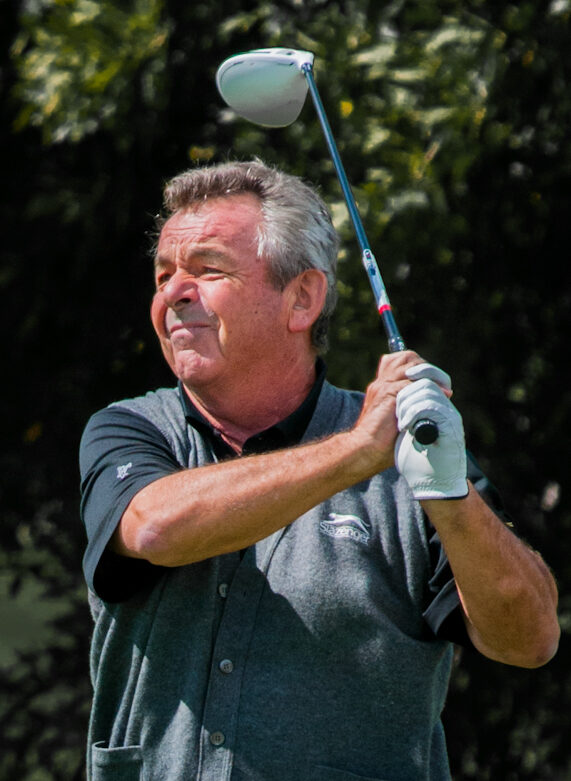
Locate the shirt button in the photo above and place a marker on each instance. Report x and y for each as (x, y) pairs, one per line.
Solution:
(223, 589)
(226, 666)
(217, 738)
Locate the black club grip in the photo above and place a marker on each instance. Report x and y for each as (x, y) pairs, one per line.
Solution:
(425, 432)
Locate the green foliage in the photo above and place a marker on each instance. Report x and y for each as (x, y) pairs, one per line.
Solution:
(84, 64)
(452, 119)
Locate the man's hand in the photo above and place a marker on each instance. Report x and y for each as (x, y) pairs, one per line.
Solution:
(376, 428)
(436, 471)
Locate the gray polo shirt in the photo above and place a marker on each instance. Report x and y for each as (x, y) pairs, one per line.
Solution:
(313, 655)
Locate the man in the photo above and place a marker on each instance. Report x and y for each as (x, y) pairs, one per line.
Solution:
(273, 599)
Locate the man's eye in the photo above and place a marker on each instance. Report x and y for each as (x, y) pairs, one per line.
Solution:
(162, 278)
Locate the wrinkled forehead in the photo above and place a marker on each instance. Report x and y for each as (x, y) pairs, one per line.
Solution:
(222, 224)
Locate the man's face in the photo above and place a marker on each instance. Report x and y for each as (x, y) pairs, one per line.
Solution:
(217, 316)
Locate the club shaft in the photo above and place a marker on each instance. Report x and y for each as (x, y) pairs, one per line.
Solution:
(424, 431)
(395, 340)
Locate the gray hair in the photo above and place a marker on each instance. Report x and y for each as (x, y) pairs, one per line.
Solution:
(296, 232)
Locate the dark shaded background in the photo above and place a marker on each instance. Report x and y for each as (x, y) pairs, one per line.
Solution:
(453, 121)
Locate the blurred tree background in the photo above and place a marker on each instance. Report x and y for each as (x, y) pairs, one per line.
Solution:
(452, 117)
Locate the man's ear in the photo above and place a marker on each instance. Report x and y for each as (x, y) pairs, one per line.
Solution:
(307, 296)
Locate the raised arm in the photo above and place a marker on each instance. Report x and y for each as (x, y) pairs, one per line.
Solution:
(198, 513)
(508, 595)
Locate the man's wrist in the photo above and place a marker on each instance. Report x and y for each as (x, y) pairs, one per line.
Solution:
(445, 491)
(365, 459)
(450, 507)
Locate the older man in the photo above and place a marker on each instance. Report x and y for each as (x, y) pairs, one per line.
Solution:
(275, 597)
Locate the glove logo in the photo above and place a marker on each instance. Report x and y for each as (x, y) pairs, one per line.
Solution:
(346, 526)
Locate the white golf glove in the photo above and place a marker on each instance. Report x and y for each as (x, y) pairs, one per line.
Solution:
(436, 471)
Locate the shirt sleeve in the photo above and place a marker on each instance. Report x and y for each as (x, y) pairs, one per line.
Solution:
(443, 613)
(120, 453)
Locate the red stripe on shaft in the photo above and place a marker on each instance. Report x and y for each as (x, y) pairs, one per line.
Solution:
(385, 308)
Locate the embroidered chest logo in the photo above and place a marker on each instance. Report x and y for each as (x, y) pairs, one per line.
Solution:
(123, 471)
(349, 526)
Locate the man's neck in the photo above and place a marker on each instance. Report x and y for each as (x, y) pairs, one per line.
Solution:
(239, 414)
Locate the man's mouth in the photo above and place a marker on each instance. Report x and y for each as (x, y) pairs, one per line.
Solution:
(186, 332)
(189, 326)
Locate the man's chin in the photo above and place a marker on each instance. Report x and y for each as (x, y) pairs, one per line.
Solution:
(186, 365)
(194, 371)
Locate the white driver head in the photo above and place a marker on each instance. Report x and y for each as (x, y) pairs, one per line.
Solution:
(265, 86)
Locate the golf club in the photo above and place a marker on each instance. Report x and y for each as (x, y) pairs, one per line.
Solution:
(268, 87)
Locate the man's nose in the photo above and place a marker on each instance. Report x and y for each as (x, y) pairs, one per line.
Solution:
(180, 290)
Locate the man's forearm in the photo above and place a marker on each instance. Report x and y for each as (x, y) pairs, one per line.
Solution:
(508, 595)
(207, 511)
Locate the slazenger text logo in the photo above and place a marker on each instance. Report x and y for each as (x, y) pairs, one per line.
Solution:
(349, 526)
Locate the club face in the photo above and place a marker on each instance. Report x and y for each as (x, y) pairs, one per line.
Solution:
(265, 86)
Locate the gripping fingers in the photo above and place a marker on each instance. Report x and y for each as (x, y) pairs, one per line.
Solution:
(420, 400)
(427, 371)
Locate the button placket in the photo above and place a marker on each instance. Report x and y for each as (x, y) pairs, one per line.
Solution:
(230, 648)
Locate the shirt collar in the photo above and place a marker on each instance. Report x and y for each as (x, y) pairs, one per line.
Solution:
(285, 433)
